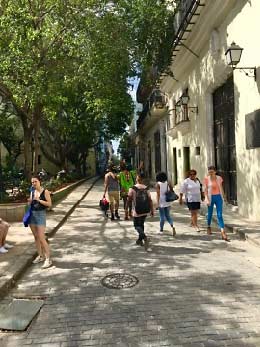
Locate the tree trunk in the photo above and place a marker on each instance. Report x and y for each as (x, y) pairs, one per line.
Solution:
(36, 127)
(27, 149)
(1, 175)
(84, 164)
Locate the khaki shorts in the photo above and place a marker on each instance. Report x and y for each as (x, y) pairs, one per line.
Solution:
(113, 197)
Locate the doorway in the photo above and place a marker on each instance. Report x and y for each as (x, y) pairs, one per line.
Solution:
(186, 161)
(224, 138)
(175, 170)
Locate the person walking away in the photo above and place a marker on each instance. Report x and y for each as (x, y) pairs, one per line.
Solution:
(142, 202)
(112, 188)
(162, 186)
(126, 180)
(214, 195)
(40, 200)
(191, 188)
(4, 227)
(141, 169)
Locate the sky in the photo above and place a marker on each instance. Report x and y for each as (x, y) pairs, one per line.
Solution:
(132, 91)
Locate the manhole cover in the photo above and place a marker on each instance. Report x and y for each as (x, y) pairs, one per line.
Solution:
(119, 281)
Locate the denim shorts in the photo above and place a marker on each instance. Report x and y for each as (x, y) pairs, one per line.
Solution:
(38, 218)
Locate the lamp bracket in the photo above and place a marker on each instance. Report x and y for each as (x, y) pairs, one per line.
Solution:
(194, 109)
(251, 71)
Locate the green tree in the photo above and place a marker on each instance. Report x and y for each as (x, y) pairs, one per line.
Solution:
(73, 58)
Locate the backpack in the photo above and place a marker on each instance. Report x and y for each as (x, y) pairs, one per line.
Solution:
(142, 201)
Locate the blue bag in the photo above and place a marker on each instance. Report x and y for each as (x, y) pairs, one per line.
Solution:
(27, 217)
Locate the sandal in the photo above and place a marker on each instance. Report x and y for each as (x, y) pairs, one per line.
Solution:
(224, 237)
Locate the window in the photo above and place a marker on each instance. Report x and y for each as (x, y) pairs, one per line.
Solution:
(197, 150)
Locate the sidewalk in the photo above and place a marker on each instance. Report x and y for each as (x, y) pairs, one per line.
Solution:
(15, 262)
(246, 230)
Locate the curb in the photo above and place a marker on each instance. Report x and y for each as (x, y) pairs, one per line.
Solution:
(10, 283)
(235, 230)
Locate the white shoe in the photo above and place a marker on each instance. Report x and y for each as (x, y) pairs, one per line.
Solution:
(160, 233)
(3, 250)
(7, 246)
(149, 249)
(47, 263)
(38, 259)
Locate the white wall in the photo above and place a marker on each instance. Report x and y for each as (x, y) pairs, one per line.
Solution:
(217, 27)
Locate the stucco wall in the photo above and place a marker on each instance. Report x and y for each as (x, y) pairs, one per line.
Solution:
(234, 21)
(244, 30)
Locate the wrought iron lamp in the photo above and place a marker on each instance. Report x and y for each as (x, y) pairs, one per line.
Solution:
(233, 56)
(184, 99)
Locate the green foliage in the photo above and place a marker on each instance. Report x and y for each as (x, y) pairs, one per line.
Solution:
(125, 148)
(65, 65)
(9, 131)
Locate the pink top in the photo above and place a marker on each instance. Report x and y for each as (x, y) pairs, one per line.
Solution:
(215, 188)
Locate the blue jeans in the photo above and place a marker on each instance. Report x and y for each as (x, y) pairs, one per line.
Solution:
(218, 201)
(165, 215)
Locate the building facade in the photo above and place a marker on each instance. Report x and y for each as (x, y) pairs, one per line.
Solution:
(212, 111)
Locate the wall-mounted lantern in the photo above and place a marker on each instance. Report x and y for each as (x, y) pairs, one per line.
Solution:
(233, 56)
(184, 99)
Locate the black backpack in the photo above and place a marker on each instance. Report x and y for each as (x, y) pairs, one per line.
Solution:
(142, 201)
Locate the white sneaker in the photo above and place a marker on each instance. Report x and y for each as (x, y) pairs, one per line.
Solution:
(160, 233)
(7, 246)
(47, 263)
(3, 250)
(38, 259)
(149, 249)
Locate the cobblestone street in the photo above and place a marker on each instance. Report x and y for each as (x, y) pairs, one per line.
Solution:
(193, 290)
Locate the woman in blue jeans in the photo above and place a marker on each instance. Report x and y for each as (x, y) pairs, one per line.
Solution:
(162, 186)
(214, 195)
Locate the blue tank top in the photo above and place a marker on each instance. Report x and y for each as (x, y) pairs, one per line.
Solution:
(113, 184)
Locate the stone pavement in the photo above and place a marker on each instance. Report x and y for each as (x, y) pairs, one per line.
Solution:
(194, 290)
(13, 263)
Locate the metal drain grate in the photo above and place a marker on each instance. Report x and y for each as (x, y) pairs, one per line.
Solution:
(119, 281)
(19, 314)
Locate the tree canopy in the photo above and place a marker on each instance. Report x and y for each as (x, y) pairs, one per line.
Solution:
(64, 66)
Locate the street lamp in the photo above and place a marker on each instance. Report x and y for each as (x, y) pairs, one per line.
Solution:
(184, 99)
(233, 56)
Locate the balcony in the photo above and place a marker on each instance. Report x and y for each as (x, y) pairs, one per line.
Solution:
(179, 121)
(186, 14)
(154, 109)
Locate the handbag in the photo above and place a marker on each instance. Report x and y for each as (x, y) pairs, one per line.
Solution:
(27, 217)
(202, 195)
(170, 195)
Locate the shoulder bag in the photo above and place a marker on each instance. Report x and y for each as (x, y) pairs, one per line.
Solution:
(170, 195)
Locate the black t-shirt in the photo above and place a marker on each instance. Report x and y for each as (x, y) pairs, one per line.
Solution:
(36, 205)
